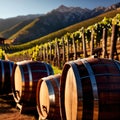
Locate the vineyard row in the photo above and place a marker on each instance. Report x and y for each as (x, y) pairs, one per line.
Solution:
(101, 39)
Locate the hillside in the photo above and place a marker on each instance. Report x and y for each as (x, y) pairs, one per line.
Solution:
(53, 21)
(58, 34)
(12, 30)
(71, 28)
(105, 42)
(10, 22)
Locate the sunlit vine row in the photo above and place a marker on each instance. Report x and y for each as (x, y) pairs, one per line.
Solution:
(97, 29)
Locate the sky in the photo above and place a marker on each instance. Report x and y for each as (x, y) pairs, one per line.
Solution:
(13, 8)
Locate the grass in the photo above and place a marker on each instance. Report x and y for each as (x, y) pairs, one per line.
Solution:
(56, 70)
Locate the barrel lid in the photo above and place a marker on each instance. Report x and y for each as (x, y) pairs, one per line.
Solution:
(44, 100)
(18, 84)
(71, 95)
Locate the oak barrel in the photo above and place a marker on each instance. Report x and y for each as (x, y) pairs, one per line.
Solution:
(90, 90)
(47, 97)
(6, 68)
(26, 75)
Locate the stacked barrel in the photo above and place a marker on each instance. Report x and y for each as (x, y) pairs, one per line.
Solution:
(87, 89)
(48, 104)
(90, 90)
(25, 78)
(6, 68)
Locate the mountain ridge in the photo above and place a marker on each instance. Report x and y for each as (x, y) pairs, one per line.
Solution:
(10, 22)
(57, 19)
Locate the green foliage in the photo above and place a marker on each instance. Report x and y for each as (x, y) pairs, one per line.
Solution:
(2, 54)
(58, 34)
(56, 70)
(32, 50)
(116, 20)
(88, 34)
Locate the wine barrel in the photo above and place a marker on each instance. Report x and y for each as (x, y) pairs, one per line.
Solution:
(90, 90)
(26, 75)
(5, 76)
(47, 97)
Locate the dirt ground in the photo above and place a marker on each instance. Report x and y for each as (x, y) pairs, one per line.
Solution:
(9, 111)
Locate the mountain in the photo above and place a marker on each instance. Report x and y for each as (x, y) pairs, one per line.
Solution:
(12, 30)
(55, 20)
(113, 7)
(10, 22)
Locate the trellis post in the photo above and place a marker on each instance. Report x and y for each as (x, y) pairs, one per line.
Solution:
(113, 41)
